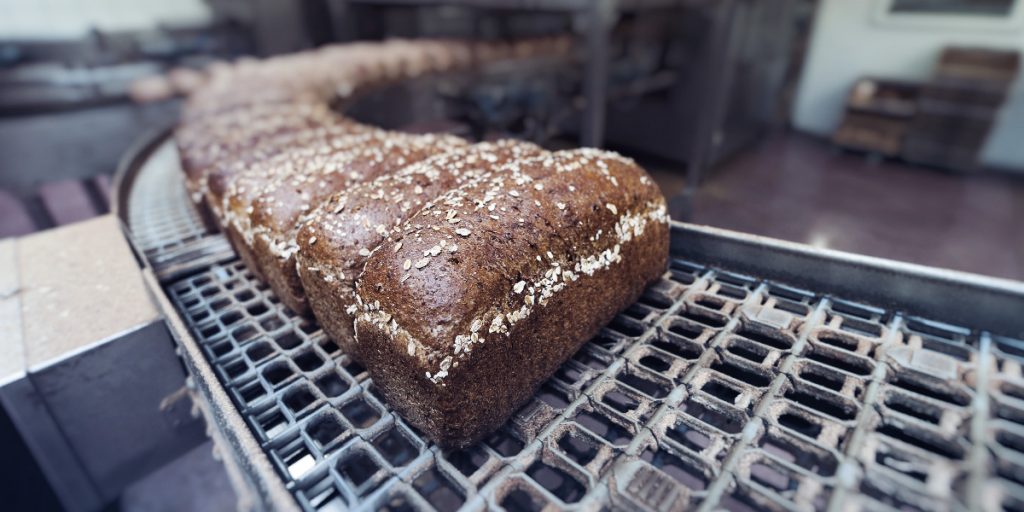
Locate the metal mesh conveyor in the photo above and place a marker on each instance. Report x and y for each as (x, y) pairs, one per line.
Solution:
(719, 389)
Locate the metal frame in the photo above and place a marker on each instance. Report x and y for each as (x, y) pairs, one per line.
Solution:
(970, 300)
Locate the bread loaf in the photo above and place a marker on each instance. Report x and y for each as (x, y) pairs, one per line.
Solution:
(336, 238)
(458, 323)
(245, 187)
(281, 202)
(219, 176)
(202, 145)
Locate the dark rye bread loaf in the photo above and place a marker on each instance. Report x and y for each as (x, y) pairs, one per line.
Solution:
(203, 144)
(335, 240)
(220, 176)
(277, 210)
(244, 188)
(459, 323)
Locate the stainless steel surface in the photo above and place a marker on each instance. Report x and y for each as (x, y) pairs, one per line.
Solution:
(114, 404)
(970, 300)
(99, 418)
(94, 365)
(720, 389)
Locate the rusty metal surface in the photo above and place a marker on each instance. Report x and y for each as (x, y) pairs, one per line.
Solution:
(716, 390)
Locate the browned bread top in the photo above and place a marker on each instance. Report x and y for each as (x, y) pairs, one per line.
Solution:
(277, 210)
(203, 144)
(240, 125)
(224, 172)
(336, 238)
(351, 223)
(283, 200)
(214, 100)
(459, 323)
(520, 236)
(246, 187)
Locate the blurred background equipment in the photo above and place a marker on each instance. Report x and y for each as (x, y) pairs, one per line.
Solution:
(74, 95)
(738, 108)
(691, 82)
(905, 40)
(958, 107)
(944, 122)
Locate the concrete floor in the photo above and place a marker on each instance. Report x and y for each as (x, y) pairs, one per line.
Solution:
(799, 188)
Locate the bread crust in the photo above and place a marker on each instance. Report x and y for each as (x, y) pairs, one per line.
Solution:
(220, 175)
(222, 139)
(245, 187)
(281, 203)
(337, 237)
(547, 252)
(242, 103)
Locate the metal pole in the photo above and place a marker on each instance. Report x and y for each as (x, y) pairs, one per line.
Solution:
(718, 59)
(597, 19)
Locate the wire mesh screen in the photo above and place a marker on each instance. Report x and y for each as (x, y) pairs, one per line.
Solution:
(714, 391)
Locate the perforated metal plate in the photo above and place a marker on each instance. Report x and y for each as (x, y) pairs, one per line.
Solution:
(714, 391)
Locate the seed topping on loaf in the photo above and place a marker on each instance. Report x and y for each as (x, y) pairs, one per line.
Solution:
(508, 191)
(383, 151)
(352, 218)
(319, 148)
(218, 183)
(220, 139)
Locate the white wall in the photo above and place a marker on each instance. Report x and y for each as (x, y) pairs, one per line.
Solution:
(57, 19)
(850, 40)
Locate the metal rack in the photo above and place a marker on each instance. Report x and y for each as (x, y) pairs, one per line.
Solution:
(720, 389)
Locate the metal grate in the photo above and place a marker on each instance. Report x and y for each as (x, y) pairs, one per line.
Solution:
(714, 391)
(163, 220)
(714, 388)
(160, 214)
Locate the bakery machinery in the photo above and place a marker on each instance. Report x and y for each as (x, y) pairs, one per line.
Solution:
(757, 374)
